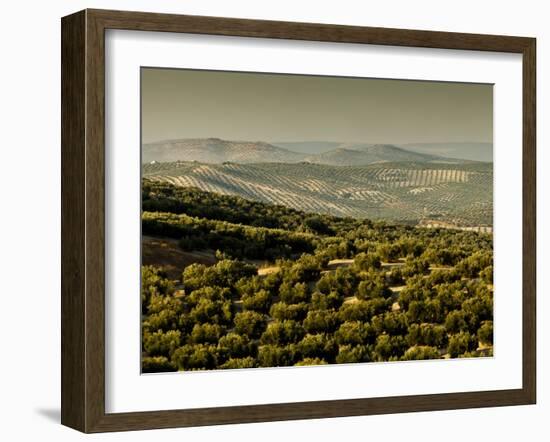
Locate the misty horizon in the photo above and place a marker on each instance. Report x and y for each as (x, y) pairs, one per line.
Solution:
(312, 141)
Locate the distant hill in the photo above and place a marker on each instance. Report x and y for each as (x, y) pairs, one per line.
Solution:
(216, 151)
(471, 151)
(363, 154)
(408, 192)
(309, 147)
(466, 151)
(340, 157)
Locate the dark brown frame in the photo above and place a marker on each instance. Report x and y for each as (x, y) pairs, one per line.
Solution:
(83, 214)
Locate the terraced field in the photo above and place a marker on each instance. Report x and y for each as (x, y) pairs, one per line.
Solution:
(460, 194)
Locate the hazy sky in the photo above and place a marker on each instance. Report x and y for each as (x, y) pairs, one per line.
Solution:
(273, 107)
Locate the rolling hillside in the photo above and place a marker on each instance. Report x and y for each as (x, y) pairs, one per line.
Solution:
(363, 154)
(308, 147)
(215, 151)
(409, 192)
(470, 151)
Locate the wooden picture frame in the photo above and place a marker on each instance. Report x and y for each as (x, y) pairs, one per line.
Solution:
(83, 215)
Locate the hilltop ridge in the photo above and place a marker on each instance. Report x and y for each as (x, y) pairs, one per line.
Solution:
(216, 150)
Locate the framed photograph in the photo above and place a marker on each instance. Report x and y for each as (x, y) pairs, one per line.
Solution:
(267, 220)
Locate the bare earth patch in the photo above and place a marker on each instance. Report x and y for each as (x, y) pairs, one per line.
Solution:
(165, 252)
(398, 288)
(268, 270)
(351, 300)
(337, 263)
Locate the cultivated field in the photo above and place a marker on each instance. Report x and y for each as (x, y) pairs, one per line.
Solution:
(232, 283)
(408, 192)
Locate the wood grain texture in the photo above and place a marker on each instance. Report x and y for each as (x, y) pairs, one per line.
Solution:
(73, 211)
(529, 221)
(95, 221)
(83, 218)
(144, 21)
